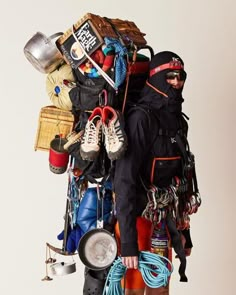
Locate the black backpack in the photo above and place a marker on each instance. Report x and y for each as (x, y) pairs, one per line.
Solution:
(89, 93)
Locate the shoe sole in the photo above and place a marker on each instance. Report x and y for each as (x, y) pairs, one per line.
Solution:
(89, 156)
(117, 155)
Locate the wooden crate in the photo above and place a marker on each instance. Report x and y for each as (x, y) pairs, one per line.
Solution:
(91, 30)
(52, 122)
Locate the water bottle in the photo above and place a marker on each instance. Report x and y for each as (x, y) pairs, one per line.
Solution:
(160, 242)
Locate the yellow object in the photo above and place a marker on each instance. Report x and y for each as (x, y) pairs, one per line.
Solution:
(58, 91)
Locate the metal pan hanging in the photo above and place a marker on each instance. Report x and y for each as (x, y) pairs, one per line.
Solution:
(62, 268)
(97, 249)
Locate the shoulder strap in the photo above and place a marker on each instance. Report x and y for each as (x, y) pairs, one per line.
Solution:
(135, 107)
(149, 114)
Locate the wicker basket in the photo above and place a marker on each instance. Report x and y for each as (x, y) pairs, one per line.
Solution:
(91, 30)
(106, 27)
(52, 122)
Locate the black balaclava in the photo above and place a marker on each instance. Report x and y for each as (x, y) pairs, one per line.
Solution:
(168, 101)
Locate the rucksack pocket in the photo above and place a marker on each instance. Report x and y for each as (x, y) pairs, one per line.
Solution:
(164, 169)
(98, 168)
(92, 93)
(85, 98)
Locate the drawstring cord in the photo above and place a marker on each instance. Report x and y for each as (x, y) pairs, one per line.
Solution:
(157, 90)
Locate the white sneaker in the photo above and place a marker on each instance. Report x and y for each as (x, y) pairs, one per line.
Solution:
(115, 137)
(91, 141)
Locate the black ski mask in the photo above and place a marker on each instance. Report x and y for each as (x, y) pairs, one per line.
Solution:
(160, 95)
(160, 64)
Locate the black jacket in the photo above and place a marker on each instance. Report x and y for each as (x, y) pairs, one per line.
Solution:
(141, 130)
(130, 195)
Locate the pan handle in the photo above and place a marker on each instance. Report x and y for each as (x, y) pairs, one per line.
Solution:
(66, 225)
(100, 207)
(53, 36)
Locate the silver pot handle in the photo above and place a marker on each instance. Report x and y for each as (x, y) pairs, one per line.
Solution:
(53, 36)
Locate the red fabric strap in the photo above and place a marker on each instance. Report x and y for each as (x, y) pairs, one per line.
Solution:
(171, 65)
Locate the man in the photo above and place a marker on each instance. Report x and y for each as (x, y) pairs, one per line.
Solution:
(162, 100)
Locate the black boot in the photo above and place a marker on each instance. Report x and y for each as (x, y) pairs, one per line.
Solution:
(94, 281)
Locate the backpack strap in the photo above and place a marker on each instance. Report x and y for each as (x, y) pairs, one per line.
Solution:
(135, 107)
(177, 245)
(189, 159)
(128, 76)
(184, 147)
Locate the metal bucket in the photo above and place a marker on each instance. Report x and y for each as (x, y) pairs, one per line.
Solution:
(42, 52)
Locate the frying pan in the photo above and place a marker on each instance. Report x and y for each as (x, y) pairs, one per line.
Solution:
(97, 249)
(62, 268)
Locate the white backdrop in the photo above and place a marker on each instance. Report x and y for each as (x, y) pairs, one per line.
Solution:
(33, 199)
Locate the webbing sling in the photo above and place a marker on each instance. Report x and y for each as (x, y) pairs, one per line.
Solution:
(177, 245)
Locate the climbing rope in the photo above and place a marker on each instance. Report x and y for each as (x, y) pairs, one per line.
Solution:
(153, 268)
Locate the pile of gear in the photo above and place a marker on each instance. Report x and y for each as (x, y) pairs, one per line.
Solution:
(96, 71)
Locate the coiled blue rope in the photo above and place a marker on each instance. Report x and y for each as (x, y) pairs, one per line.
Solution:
(152, 266)
(113, 281)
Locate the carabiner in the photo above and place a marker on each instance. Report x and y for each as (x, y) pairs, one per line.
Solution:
(103, 98)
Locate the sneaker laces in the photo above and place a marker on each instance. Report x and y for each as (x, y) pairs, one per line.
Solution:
(90, 135)
(109, 135)
(113, 135)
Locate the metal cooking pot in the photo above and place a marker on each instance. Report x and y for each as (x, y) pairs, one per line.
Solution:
(42, 52)
(62, 268)
(97, 249)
